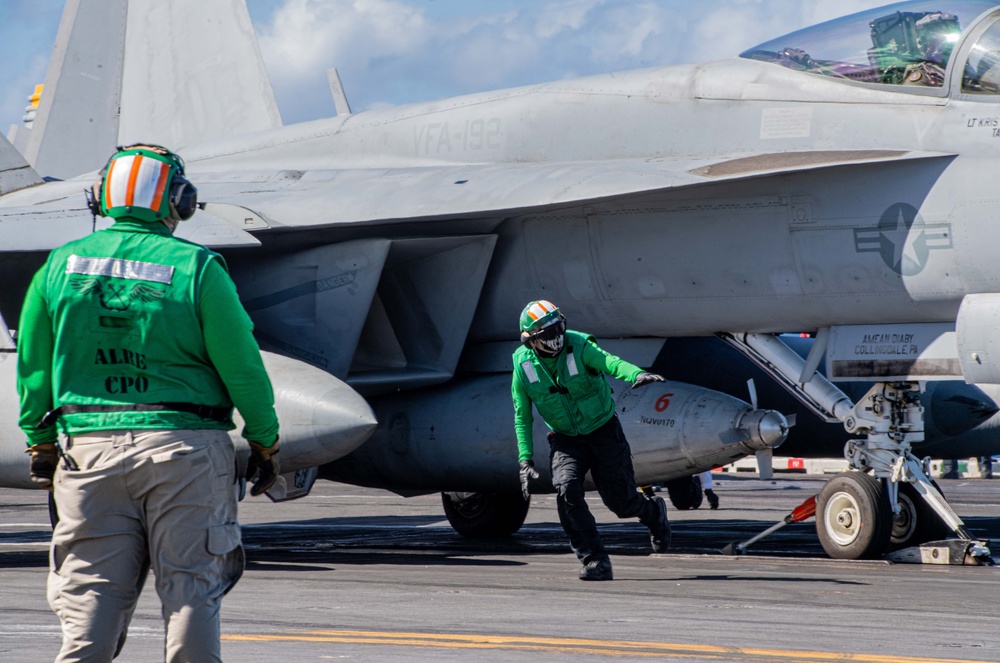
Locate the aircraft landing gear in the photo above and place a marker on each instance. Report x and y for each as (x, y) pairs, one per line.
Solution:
(853, 518)
(916, 522)
(685, 493)
(863, 516)
(485, 516)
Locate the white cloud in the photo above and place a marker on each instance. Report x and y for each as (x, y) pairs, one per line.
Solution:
(306, 35)
(394, 51)
(641, 33)
(398, 51)
(304, 38)
(557, 17)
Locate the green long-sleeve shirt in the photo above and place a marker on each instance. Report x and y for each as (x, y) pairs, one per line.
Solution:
(132, 315)
(597, 363)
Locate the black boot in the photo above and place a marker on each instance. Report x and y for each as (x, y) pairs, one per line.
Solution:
(949, 468)
(986, 467)
(598, 569)
(659, 532)
(713, 499)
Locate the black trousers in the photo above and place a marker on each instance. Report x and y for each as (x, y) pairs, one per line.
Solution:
(606, 454)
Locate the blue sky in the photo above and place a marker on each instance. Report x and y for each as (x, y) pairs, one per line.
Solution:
(392, 52)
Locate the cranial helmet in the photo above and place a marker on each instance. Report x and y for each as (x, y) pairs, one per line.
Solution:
(144, 182)
(543, 328)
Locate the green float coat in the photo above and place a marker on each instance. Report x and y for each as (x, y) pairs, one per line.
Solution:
(162, 325)
(579, 371)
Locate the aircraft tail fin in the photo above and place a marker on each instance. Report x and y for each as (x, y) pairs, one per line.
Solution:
(15, 173)
(115, 78)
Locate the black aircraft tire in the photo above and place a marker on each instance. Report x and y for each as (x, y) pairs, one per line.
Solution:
(917, 522)
(853, 518)
(485, 516)
(685, 493)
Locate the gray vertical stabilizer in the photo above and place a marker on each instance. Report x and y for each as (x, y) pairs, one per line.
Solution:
(76, 126)
(193, 73)
(124, 71)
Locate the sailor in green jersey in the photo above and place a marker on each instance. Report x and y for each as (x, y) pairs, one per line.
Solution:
(562, 373)
(134, 345)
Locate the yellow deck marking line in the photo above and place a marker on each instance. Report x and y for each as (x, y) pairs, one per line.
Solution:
(575, 645)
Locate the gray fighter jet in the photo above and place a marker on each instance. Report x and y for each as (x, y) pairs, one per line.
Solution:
(833, 181)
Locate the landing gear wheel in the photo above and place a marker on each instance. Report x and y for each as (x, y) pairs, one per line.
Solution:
(916, 521)
(685, 493)
(853, 518)
(485, 516)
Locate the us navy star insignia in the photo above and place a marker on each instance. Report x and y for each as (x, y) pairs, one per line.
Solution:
(903, 239)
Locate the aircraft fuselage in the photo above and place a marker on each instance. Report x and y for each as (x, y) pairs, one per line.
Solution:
(868, 205)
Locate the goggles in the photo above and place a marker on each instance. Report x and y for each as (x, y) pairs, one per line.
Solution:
(549, 333)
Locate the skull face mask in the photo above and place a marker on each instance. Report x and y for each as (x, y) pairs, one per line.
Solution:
(548, 341)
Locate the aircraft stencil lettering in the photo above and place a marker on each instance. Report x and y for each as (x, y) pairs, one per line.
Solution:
(470, 135)
(301, 290)
(293, 351)
(657, 422)
(983, 122)
(903, 239)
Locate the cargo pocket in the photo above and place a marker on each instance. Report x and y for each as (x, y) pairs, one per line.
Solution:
(224, 541)
(180, 450)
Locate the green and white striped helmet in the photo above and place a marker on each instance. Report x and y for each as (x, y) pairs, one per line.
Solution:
(144, 182)
(543, 328)
(539, 314)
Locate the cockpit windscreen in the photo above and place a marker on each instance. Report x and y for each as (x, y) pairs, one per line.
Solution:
(908, 43)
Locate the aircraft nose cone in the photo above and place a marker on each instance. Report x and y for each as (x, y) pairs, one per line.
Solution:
(321, 418)
(766, 429)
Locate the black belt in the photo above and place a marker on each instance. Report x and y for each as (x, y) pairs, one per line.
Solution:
(220, 414)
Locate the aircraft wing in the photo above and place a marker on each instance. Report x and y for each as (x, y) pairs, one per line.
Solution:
(241, 202)
(326, 198)
(46, 229)
(44, 216)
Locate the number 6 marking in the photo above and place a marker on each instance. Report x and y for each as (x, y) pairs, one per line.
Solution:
(663, 402)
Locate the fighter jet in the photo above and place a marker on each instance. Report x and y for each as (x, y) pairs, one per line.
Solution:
(830, 181)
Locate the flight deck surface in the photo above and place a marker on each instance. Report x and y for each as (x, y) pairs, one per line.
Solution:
(350, 573)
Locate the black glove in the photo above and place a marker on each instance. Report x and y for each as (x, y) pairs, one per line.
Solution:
(264, 464)
(528, 471)
(644, 378)
(44, 459)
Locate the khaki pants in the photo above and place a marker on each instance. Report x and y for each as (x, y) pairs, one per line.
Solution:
(162, 499)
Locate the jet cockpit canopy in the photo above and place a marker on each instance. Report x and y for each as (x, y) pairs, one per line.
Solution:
(907, 43)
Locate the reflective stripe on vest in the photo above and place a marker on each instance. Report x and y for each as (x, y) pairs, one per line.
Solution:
(529, 371)
(571, 362)
(118, 268)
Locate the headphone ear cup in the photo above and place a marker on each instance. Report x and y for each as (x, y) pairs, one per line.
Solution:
(93, 195)
(183, 198)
